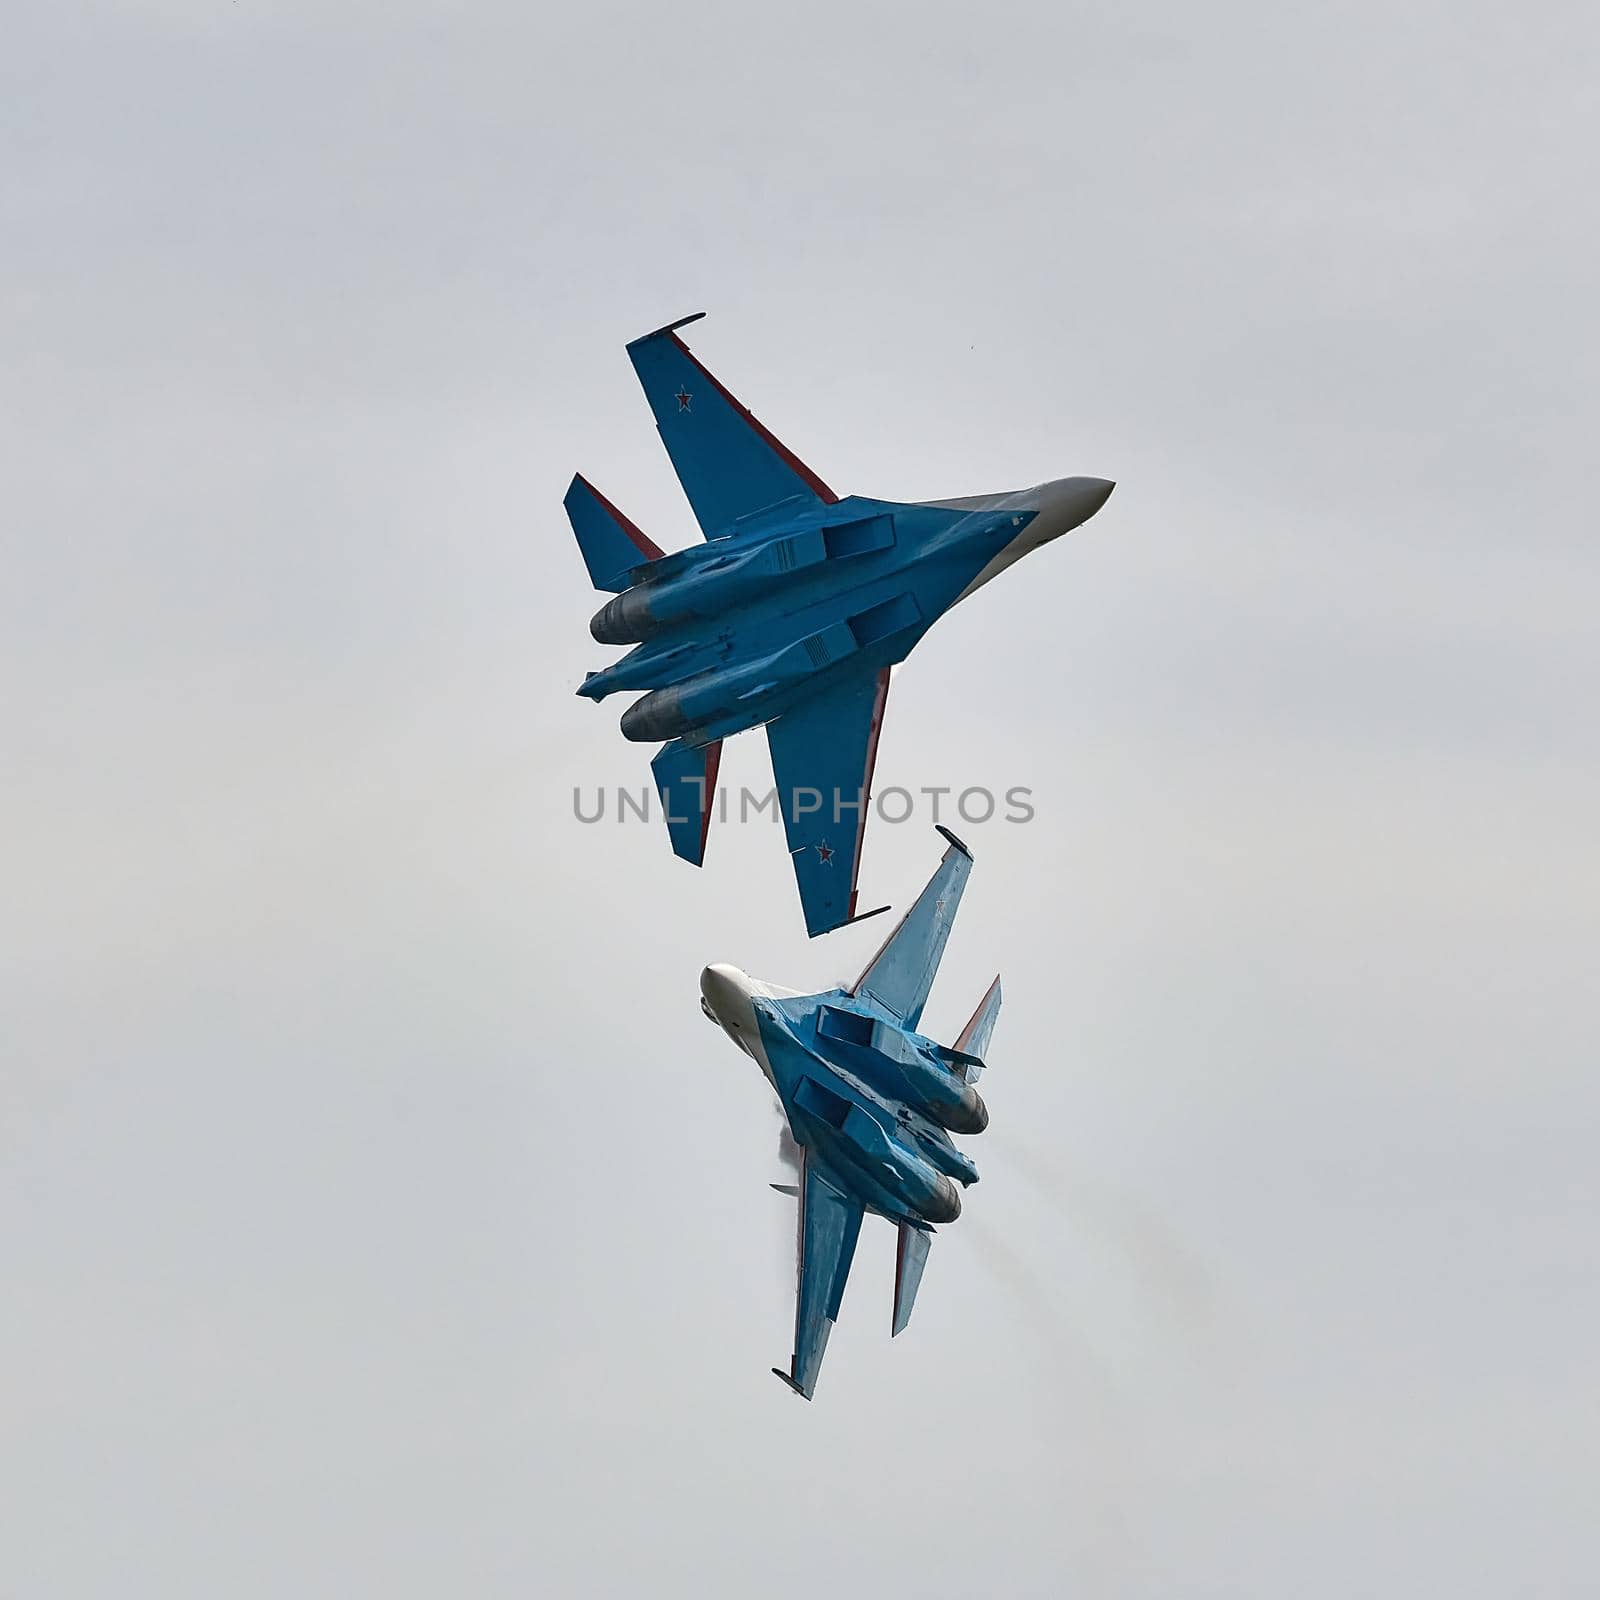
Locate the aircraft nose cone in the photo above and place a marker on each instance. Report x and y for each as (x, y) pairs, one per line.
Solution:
(725, 997)
(1096, 491)
(1077, 499)
(722, 988)
(718, 972)
(1066, 503)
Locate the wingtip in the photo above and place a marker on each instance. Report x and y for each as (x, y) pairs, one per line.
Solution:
(778, 1372)
(860, 916)
(669, 327)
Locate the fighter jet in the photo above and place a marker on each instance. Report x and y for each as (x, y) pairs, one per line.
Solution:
(871, 1103)
(790, 615)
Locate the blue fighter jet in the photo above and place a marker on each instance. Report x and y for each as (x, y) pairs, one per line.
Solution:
(790, 615)
(870, 1101)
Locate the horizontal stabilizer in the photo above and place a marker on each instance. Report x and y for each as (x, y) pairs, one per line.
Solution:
(911, 1256)
(612, 546)
(686, 780)
(974, 1039)
(960, 1062)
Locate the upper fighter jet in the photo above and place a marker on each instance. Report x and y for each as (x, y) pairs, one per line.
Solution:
(789, 615)
(870, 1101)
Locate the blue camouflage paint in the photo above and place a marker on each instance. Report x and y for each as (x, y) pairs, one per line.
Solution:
(791, 613)
(871, 1102)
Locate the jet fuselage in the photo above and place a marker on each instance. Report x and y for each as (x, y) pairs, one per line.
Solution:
(865, 1094)
(727, 635)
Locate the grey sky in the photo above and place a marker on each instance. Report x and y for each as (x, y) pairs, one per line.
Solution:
(377, 1212)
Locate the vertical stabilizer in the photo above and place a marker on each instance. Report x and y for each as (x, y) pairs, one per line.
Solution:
(974, 1040)
(686, 780)
(910, 1257)
(610, 544)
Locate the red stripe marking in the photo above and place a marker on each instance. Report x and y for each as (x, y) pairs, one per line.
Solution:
(776, 445)
(707, 790)
(646, 546)
(866, 780)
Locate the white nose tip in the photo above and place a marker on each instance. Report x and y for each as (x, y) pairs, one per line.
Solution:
(719, 978)
(725, 997)
(1095, 492)
(724, 991)
(1070, 501)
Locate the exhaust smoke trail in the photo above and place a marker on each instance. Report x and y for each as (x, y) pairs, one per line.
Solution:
(1161, 1258)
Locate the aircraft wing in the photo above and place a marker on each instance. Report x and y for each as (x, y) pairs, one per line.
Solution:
(830, 1222)
(823, 752)
(901, 974)
(729, 464)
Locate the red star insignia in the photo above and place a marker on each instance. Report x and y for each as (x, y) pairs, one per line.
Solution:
(683, 397)
(825, 852)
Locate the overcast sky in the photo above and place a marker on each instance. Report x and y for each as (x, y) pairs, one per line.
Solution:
(378, 1214)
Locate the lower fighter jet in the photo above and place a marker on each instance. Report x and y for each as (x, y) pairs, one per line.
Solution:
(871, 1103)
(789, 616)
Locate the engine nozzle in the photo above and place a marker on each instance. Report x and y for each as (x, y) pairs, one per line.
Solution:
(624, 618)
(659, 715)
